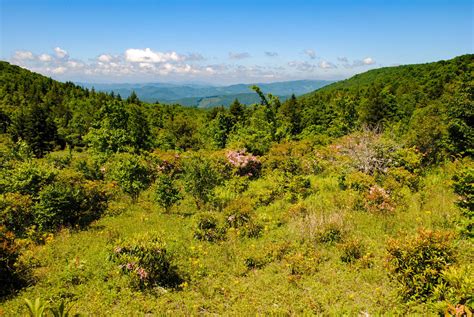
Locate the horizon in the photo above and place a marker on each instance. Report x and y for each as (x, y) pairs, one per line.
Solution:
(221, 44)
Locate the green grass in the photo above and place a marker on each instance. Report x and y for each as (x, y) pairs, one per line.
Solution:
(296, 275)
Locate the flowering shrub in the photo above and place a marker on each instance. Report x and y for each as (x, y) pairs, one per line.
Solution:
(246, 164)
(145, 259)
(378, 200)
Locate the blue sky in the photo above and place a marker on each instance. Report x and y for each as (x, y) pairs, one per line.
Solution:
(228, 41)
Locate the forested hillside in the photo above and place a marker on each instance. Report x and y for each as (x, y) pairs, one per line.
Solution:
(353, 199)
(207, 96)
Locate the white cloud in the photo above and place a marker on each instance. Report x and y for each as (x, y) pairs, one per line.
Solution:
(60, 53)
(343, 59)
(242, 55)
(59, 70)
(357, 63)
(368, 61)
(105, 58)
(23, 55)
(45, 58)
(310, 53)
(327, 65)
(148, 56)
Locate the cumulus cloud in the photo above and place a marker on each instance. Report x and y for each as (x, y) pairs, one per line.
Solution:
(271, 54)
(60, 53)
(310, 53)
(59, 70)
(326, 65)
(242, 55)
(368, 61)
(148, 56)
(105, 58)
(45, 58)
(23, 55)
(343, 59)
(142, 65)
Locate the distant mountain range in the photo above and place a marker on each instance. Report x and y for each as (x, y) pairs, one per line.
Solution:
(206, 96)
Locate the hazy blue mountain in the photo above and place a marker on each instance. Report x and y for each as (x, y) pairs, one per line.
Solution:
(204, 96)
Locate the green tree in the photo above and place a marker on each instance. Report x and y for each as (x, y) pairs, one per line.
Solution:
(35, 125)
(131, 174)
(200, 178)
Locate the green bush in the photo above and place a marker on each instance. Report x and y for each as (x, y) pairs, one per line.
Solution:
(91, 169)
(131, 174)
(200, 178)
(145, 259)
(68, 204)
(352, 250)
(357, 181)
(207, 227)
(331, 233)
(464, 188)
(11, 276)
(16, 212)
(417, 264)
(298, 187)
(166, 192)
(27, 178)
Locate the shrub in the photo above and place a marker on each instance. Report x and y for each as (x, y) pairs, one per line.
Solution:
(298, 187)
(207, 227)
(166, 193)
(464, 188)
(145, 259)
(378, 200)
(11, 276)
(417, 264)
(408, 158)
(27, 178)
(331, 233)
(131, 174)
(245, 164)
(200, 178)
(239, 215)
(59, 160)
(458, 286)
(68, 204)
(283, 158)
(91, 169)
(356, 180)
(352, 250)
(398, 177)
(16, 212)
